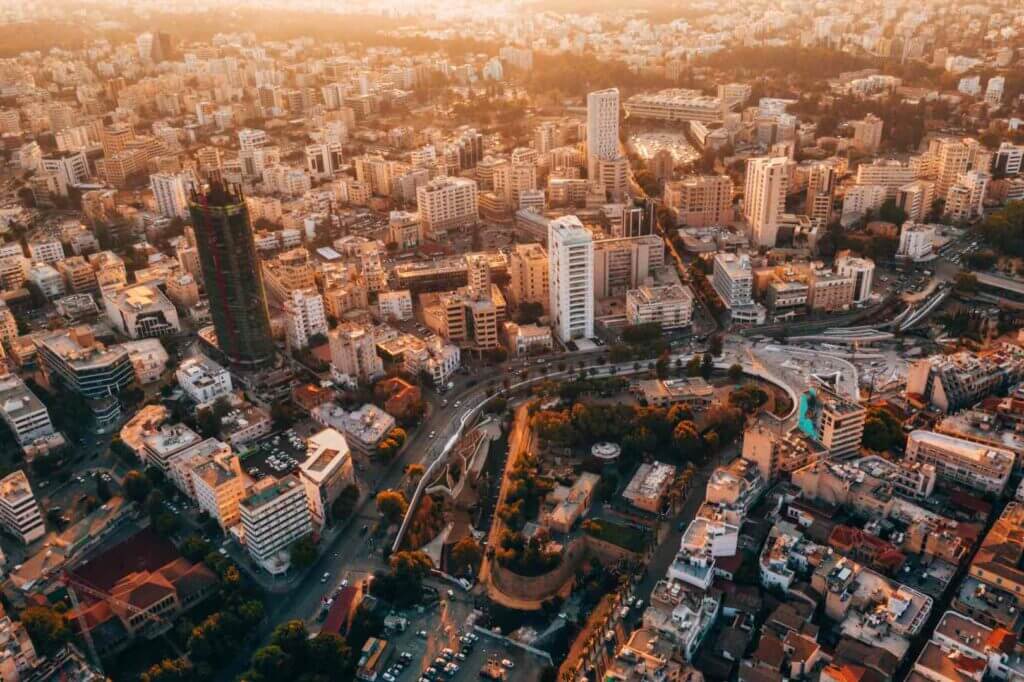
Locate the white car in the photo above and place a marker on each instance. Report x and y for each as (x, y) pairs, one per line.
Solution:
(507, 663)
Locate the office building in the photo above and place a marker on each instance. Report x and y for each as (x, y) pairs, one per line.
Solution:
(274, 516)
(1009, 159)
(602, 129)
(395, 305)
(965, 199)
(19, 511)
(326, 471)
(675, 104)
(733, 279)
(962, 462)
(994, 91)
(669, 306)
(571, 277)
(916, 241)
(25, 415)
(304, 317)
(446, 204)
(950, 383)
(141, 312)
(85, 365)
(232, 277)
(862, 270)
(764, 199)
(701, 200)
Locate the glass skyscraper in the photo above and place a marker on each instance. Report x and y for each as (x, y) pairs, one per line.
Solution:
(232, 276)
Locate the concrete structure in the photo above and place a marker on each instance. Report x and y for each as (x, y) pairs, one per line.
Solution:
(571, 278)
(602, 129)
(649, 486)
(962, 462)
(701, 201)
(326, 471)
(274, 516)
(669, 306)
(764, 199)
(19, 511)
(862, 270)
(23, 412)
(141, 312)
(528, 275)
(203, 379)
(447, 204)
(304, 318)
(354, 353)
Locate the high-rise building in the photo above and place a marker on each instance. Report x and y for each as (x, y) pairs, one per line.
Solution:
(602, 128)
(19, 511)
(274, 516)
(764, 200)
(354, 352)
(171, 190)
(232, 276)
(832, 420)
(953, 158)
(915, 198)
(528, 274)
(862, 270)
(821, 186)
(701, 200)
(964, 200)
(305, 317)
(994, 91)
(571, 277)
(867, 134)
(447, 204)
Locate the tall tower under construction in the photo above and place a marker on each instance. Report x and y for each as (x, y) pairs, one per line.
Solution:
(232, 276)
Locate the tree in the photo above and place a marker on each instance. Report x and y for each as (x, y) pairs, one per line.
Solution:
(194, 548)
(735, 373)
(165, 524)
(170, 670)
(272, 663)
(529, 312)
(686, 439)
(392, 505)
(966, 282)
(693, 366)
(716, 345)
(330, 657)
(303, 553)
(466, 556)
(345, 504)
(48, 629)
(102, 489)
(136, 486)
(890, 212)
(707, 366)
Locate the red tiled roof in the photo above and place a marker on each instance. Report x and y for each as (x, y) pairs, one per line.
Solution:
(340, 610)
(144, 552)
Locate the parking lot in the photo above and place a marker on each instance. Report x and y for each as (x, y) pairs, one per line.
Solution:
(449, 626)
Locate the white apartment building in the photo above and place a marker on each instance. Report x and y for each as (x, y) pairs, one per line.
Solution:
(163, 445)
(1009, 159)
(571, 278)
(203, 379)
(862, 270)
(72, 166)
(170, 191)
(994, 91)
(19, 511)
(962, 462)
(733, 279)
(867, 134)
(354, 353)
(602, 129)
(669, 306)
(446, 204)
(47, 279)
(915, 198)
(765, 198)
(323, 160)
(304, 317)
(916, 241)
(395, 305)
(701, 201)
(965, 199)
(23, 412)
(45, 250)
(886, 173)
(859, 200)
(326, 471)
(273, 517)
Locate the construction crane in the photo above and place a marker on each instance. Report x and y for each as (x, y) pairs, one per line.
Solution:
(74, 583)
